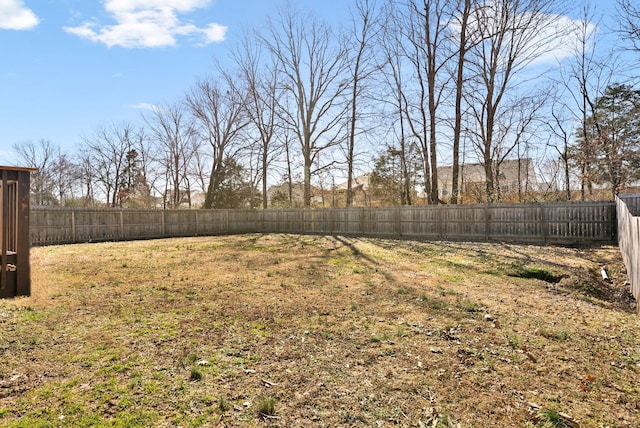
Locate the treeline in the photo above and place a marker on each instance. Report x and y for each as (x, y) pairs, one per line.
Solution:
(398, 91)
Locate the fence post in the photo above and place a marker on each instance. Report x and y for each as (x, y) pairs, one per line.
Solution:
(544, 226)
(121, 224)
(613, 224)
(163, 221)
(73, 227)
(304, 220)
(487, 222)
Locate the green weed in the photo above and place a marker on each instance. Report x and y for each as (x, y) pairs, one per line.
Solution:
(267, 406)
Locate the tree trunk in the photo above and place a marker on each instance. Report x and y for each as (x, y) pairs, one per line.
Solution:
(457, 127)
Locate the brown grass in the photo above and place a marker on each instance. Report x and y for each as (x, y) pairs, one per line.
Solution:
(285, 330)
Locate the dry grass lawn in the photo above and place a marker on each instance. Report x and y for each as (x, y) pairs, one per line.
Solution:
(298, 331)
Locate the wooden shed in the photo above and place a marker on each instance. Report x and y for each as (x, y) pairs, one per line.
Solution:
(15, 272)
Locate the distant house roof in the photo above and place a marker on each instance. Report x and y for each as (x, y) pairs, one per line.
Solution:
(297, 192)
(361, 182)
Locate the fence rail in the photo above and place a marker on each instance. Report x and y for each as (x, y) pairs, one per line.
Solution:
(576, 223)
(628, 208)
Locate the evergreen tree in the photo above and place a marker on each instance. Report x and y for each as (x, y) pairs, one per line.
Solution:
(389, 184)
(612, 146)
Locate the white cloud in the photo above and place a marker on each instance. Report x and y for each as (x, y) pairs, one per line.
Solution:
(14, 15)
(214, 33)
(148, 23)
(561, 39)
(556, 38)
(145, 106)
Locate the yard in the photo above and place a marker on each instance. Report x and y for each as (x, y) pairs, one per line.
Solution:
(297, 331)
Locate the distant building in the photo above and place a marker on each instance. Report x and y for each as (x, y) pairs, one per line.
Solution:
(513, 176)
(278, 196)
(360, 189)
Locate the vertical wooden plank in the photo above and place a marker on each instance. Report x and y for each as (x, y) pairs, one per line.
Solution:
(4, 204)
(73, 226)
(544, 225)
(634, 255)
(487, 222)
(121, 221)
(23, 269)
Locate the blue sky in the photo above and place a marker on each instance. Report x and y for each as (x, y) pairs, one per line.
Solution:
(70, 66)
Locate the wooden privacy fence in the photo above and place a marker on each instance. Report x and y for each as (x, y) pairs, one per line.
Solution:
(628, 208)
(575, 223)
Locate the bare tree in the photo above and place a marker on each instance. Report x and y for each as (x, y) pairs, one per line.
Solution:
(393, 78)
(260, 77)
(559, 128)
(464, 11)
(629, 19)
(361, 64)
(113, 155)
(65, 178)
(584, 80)
(174, 134)
(425, 28)
(42, 156)
(434, 21)
(287, 139)
(311, 68)
(86, 175)
(220, 116)
(514, 33)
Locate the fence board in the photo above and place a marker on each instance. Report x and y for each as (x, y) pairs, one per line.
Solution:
(144, 224)
(629, 241)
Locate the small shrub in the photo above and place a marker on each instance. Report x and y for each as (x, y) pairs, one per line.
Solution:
(515, 341)
(187, 359)
(223, 405)
(401, 332)
(559, 335)
(377, 338)
(469, 306)
(195, 375)
(432, 303)
(267, 406)
(553, 418)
